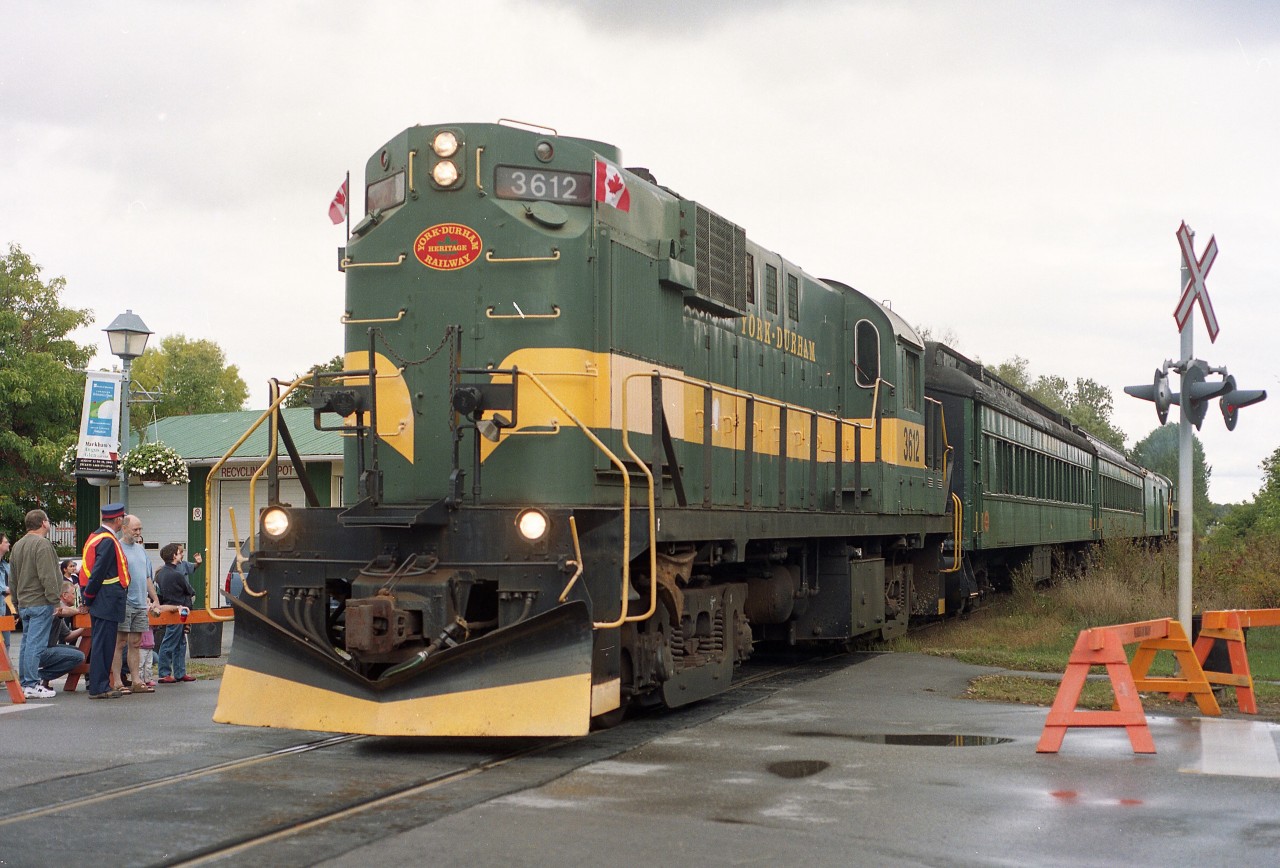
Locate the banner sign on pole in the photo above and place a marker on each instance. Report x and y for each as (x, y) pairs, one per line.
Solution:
(98, 452)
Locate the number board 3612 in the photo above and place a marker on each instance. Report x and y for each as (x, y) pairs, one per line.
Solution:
(545, 185)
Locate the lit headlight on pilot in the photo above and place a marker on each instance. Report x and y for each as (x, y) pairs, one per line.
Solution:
(275, 522)
(532, 524)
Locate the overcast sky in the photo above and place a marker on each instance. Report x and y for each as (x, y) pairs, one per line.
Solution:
(1011, 174)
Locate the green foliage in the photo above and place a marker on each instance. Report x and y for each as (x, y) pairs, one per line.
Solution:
(301, 396)
(1087, 403)
(1261, 516)
(191, 377)
(1159, 452)
(1035, 628)
(42, 384)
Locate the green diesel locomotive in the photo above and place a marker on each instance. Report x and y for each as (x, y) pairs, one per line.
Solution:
(599, 443)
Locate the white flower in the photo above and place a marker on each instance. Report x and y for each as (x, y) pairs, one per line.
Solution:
(156, 460)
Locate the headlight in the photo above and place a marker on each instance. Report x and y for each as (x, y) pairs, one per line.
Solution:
(275, 522)
(445, 173)
(445, 144)
(532, 524)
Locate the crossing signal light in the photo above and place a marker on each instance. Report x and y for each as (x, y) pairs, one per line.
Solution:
(1197, 392)
(1233, 399)
(1158, 392)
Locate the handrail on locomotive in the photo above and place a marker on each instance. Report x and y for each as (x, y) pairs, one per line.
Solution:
(358, 429)
(272, 413)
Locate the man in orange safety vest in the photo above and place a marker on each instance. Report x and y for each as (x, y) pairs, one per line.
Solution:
(105, 575)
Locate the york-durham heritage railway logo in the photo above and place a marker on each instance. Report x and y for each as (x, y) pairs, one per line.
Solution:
(447, 246)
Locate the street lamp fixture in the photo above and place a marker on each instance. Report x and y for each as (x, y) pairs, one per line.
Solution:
(127, 335)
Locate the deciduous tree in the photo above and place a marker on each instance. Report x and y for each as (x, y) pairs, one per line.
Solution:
(301, 397)
(1086, 403)
(1158, 451)
(191, 376)
(41, 388)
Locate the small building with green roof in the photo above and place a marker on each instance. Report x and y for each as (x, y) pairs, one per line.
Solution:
(177, 513)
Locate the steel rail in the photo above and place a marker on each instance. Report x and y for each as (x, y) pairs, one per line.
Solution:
(130, 789)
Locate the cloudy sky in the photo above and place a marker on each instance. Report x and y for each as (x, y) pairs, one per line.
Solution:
(1007, 174)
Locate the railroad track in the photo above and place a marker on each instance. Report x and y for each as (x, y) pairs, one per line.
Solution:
(326, 796)
(169, 780)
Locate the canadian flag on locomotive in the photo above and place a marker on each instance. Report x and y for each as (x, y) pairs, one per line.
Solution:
(610, 188)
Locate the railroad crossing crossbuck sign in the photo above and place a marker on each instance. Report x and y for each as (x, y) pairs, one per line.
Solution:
(1195, 289)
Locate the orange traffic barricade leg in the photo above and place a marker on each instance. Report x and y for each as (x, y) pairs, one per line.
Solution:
(1229, 626)
(1097, 647)
(1192, 678)
(7, 673)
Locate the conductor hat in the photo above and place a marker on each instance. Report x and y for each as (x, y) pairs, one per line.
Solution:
(112, 510)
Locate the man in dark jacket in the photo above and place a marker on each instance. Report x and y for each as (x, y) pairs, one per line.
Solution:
(104, 594)
(174, 591)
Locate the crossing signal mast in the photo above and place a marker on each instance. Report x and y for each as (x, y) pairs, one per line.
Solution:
(1195, 393)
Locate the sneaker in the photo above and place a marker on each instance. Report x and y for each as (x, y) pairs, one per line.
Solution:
(38, 691)
(168, 679)
(187, 678)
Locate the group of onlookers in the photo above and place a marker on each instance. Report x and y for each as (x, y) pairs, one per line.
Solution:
(114, 584)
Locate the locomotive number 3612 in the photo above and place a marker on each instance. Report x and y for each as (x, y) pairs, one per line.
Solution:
(515, 182)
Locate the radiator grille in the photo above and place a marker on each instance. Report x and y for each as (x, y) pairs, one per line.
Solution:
(721, 252)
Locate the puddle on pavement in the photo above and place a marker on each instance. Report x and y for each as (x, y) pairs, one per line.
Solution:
(797, 768)
(927, 739)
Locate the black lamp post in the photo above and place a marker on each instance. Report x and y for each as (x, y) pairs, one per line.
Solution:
(127, 335)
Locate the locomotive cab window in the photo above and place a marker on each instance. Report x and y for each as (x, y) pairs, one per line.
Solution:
(385, 193)
(866, 354)
(911, 398)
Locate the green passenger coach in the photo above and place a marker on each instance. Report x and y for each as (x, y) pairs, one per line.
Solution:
(1031, 484)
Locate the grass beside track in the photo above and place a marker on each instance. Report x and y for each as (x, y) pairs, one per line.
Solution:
(1034, 629)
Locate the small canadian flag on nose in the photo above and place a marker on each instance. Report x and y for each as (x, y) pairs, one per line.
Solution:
(610, 187)
(338, 207)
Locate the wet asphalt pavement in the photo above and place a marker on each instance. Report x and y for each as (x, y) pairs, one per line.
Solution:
(864, 760)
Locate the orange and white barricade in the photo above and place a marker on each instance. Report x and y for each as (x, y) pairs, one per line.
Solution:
(1229, 625)
(1104, 646)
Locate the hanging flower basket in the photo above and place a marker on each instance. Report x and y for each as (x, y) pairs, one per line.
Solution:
(67, 463)
(157, 464)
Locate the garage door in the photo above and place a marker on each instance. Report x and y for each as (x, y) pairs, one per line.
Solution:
(163, 512)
